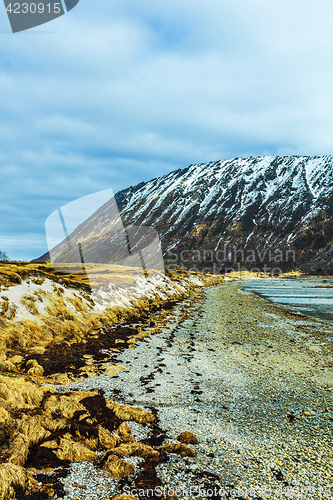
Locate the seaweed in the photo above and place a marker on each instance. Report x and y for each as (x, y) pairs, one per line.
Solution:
(104, 416)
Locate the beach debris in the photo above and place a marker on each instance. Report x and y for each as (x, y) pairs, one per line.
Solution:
(118, 468)
(106, 439)
(112, 370)
(187, 438)
(124, 431)
(179, 449)
(136, 450)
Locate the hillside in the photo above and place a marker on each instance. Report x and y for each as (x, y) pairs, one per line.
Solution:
(260, 204)
(249, 211)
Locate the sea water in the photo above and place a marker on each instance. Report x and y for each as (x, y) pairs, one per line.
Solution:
(312, 296)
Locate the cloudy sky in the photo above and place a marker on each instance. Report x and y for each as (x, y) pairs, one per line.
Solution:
(120, 91)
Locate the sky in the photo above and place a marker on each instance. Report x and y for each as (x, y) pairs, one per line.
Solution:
(117, 92)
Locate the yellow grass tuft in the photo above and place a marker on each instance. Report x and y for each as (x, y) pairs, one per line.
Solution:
(4, 307)
(12, 477)
(130, 413)
(179, 449)
(65, 405)
(124, 431)
(136, 450)
(19, 450)
(68, 449)
(123, 497)
(106, 439)
(11, 276)
(187, 438)
(112, 370)
(118, 468)
(32, 428)
(77, 303)
(30, 303)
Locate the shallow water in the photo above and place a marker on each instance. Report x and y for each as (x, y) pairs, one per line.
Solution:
(312, 296)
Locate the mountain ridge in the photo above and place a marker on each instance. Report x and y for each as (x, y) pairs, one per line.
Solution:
(253, 211)
(279, 203)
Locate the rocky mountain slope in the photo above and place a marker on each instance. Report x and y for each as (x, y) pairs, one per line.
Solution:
(274, 210)
(247, 212)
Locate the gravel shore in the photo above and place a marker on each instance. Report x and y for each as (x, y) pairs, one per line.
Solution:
(252, 380)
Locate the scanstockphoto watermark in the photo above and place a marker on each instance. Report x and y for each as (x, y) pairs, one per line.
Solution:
(262, 272)
(87, 237)
(266, 262)
(291, 492)
(26, 14)
(231, 255)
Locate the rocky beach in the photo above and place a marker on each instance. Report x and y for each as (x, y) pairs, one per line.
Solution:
(252, 381)
(220, 394)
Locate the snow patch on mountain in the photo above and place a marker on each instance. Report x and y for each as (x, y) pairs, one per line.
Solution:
(255, 201)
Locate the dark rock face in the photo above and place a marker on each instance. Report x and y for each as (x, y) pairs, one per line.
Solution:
(248, 211)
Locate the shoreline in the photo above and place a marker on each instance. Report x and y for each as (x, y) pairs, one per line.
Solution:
(40, 427)
(298, 301)
(40, 309)
(253, 344)
(244, 376)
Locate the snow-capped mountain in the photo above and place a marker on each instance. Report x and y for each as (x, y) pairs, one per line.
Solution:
(263, 206)
(274, 210)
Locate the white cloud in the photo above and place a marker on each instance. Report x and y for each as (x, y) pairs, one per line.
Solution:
(124, 91)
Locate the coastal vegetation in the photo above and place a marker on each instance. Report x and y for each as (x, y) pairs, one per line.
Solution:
(53, 333)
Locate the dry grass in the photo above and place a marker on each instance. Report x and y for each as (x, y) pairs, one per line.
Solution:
(131, 413)
(30, 413)
(30, 303)
(136, 450)
(179, 449)
(112, 370)
(66, 405)
(12, 477)
(77, 303)
(118, 468)
(4, 307)
(293, 274)
(106, 439)
(125, 432)
(123, 497)
(187, 438)
(62, 324)
(70, 319)
(19, 450)
(12, 273)
(20, 393)
(68, 449)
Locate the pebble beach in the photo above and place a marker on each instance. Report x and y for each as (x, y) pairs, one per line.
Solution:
(250, 379)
